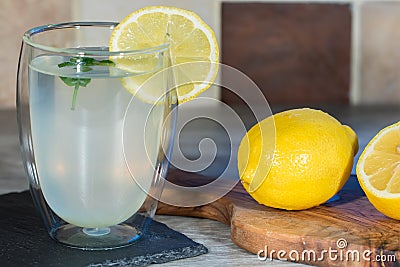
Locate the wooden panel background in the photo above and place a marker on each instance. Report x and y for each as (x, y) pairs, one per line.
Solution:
(296, 53)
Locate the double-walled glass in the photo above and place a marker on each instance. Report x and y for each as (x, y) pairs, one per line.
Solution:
(94, 145)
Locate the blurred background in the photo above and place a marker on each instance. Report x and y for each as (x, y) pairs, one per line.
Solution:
(298, 52)
(340, 56)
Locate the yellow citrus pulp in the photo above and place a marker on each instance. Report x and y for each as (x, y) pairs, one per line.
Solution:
(190, 40)
(378, 171)
(302, 164)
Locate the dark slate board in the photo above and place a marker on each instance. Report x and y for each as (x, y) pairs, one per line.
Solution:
(25, 242)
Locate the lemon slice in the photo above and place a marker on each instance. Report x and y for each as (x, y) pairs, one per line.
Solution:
(378, 171)
(191, 41)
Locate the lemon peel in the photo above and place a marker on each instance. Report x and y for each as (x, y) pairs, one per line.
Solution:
(311, 162)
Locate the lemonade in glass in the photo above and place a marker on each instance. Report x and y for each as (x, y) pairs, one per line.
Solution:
(77, 124)
(96, 106)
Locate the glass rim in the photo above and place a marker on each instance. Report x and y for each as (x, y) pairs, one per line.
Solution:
(77, 24)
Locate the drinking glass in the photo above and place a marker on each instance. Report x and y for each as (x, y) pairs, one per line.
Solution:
(94, 150)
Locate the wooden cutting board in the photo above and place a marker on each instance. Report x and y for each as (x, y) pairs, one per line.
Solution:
(348, 227)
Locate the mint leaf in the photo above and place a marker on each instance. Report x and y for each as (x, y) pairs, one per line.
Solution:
(83, 64)
(85, 69)
(83, 81)
(69, 81)
(105, 62)
(75, 81)
(66, 64)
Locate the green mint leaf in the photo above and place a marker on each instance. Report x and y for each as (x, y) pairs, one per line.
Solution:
(74, 60)
(65, 64)
(69, 81)
(84, 64)
(105, 62)
(83, 81)
(85, 69)
(87, 61)
(75, 81)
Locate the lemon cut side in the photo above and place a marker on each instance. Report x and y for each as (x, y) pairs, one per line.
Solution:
(190, 40)
(378, 171)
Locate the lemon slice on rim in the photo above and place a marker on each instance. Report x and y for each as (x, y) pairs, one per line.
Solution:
(378, 171)
(191, 41)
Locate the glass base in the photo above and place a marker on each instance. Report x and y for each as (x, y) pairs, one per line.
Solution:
(96, 238)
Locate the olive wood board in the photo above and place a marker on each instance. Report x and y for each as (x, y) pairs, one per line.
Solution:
(351, 226)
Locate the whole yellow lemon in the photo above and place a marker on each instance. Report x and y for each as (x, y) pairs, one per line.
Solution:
(303, 163)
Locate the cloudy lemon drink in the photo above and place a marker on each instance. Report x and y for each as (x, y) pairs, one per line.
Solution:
(96, 111)
(78, 106)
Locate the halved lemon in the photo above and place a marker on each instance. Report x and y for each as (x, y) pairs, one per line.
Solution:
(378, 171)
(190, 40)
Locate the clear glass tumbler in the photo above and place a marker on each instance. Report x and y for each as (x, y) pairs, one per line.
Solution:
(95, 150)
